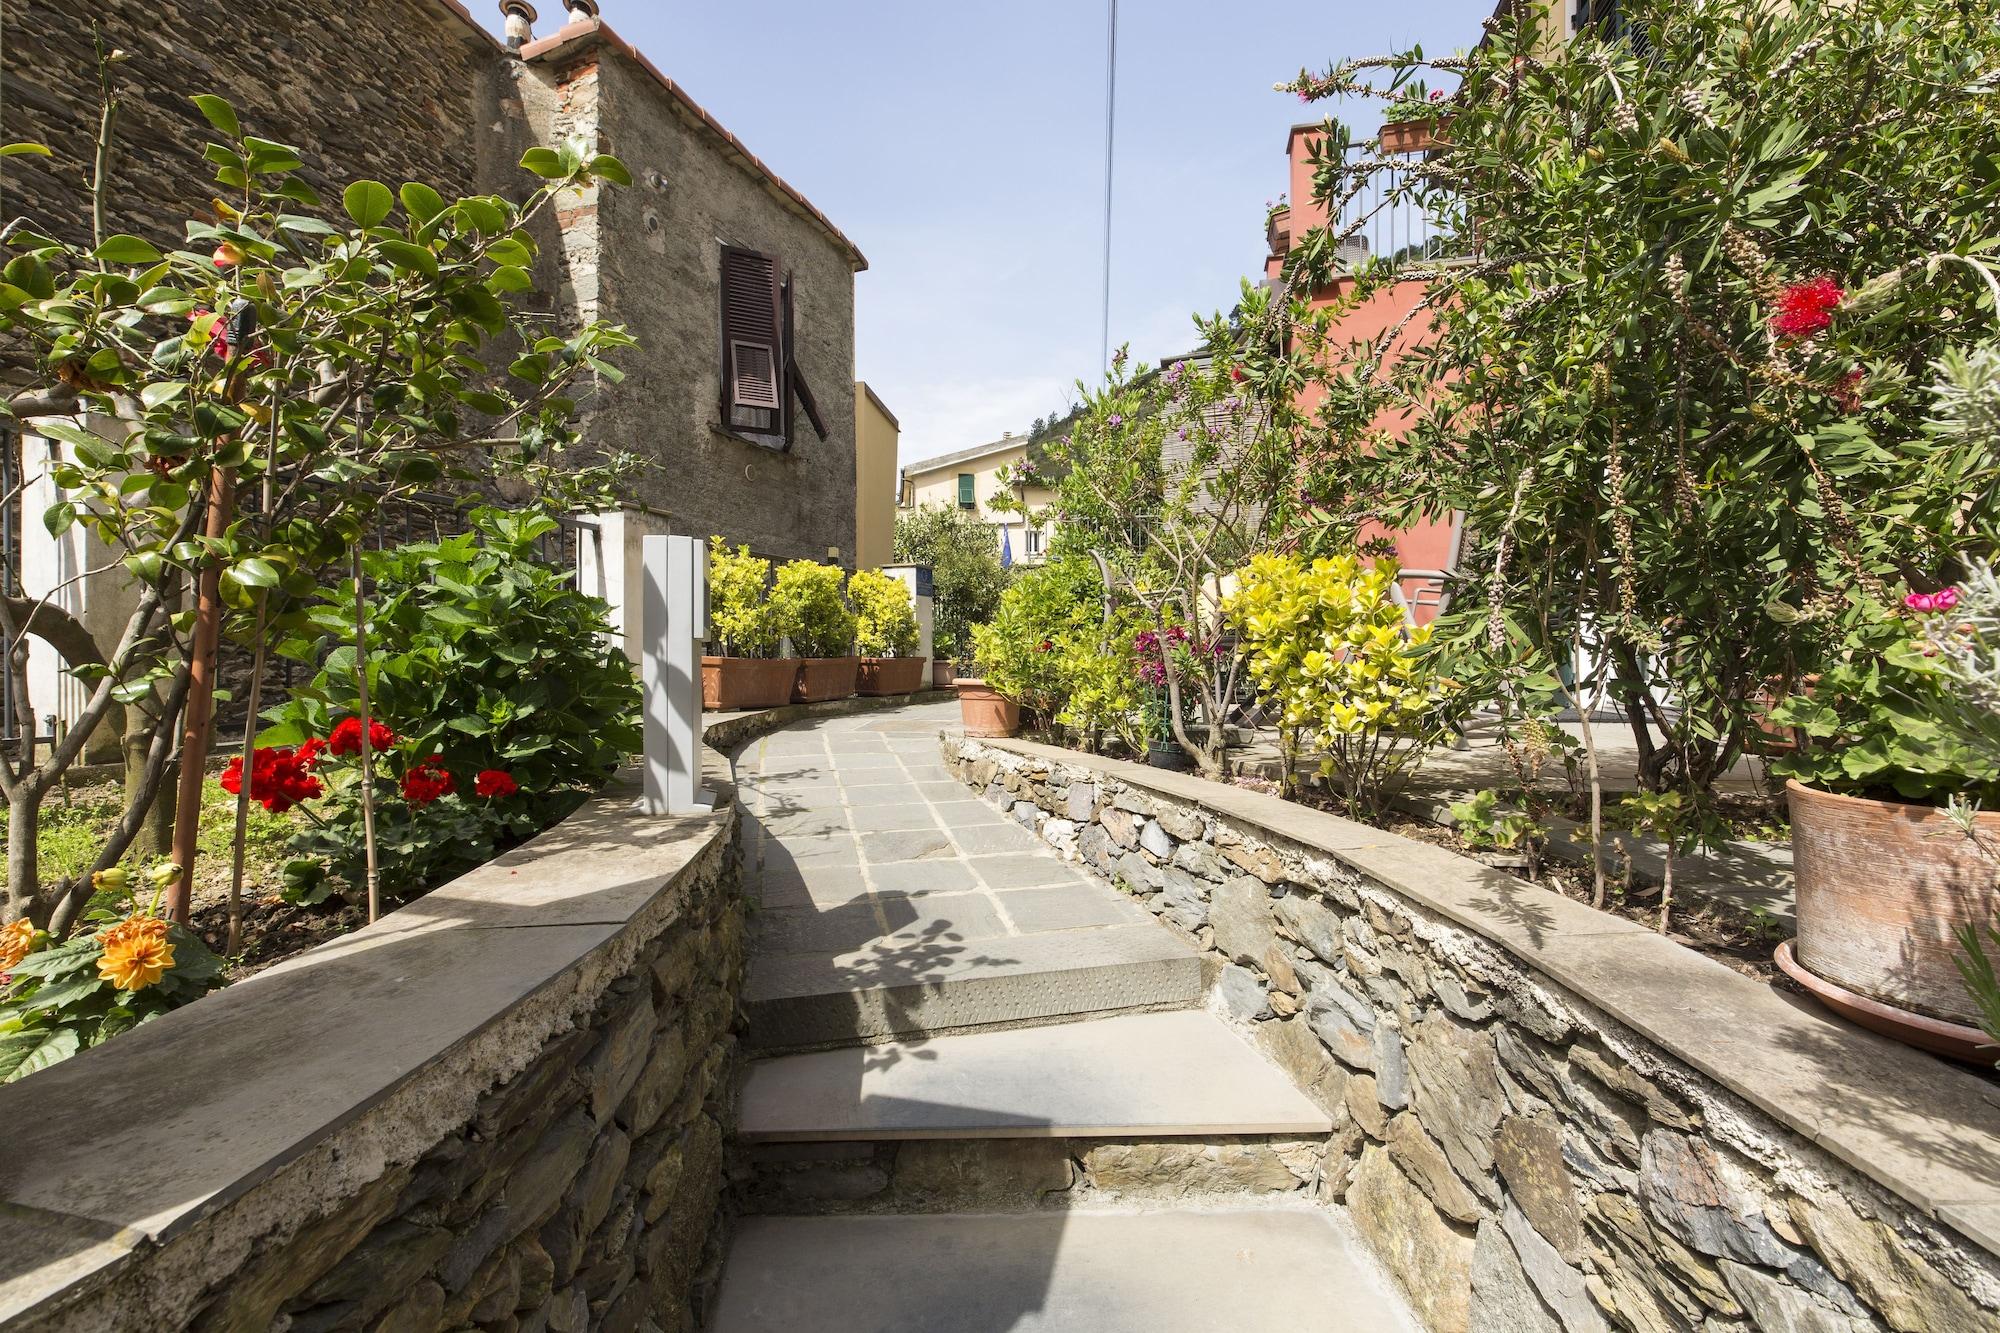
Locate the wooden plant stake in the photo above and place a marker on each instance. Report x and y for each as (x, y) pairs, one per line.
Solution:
(367, 750)
(201, 703)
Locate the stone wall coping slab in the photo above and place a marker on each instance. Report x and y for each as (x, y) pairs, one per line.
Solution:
(1924, 1130)
(346, 1060)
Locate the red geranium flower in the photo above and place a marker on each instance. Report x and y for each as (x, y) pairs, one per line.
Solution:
(346, 736)
(492, 782)
(278, 778)
(1807, 308)
(428, 781)
(310, 751)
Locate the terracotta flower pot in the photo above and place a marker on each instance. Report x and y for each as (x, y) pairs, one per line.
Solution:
(889, 675)
(747, 682)
(984, 710)
(1882, 886)
(824, 678)
(942, 674)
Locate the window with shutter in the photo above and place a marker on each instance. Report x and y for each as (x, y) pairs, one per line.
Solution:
(965, 499)
(754, 355)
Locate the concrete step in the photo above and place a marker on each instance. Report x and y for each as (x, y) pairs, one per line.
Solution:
(1148, 1075)
(1077, 1272)
(940, 982)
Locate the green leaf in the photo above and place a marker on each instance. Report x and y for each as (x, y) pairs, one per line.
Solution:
(123, 249)
(368, 202)
(256, 572)
(610, 168)
(218, 113)
(544, 162)
(33, 1049)
(25, 150)
(407, 256)
(421, 201)
(59, 518)
(506, 278)
(164, 391)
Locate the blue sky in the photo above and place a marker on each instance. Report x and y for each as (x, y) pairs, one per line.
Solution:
(961, 146)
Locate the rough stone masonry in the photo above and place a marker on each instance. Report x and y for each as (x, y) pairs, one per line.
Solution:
(1517, 1160)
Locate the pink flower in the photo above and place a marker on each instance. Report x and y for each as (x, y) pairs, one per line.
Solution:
(1944, 599)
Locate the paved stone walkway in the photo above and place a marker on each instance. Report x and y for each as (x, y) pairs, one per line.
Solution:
(894, 900)
(945, 1017)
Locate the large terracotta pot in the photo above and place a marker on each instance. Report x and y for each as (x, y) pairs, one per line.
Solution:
(747, 682)
(889, 675)
(824, 678)
(984, 710)
(1882, 886)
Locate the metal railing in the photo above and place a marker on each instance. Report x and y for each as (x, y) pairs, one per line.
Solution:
(1393, 212)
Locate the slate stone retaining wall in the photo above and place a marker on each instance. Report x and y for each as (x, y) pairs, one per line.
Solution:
(1517, 1158)
(500, 1108)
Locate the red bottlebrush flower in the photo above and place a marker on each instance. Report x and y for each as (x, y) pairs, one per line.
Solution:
(1807, 308)
(492, 783)
(345, 738)
(427, 781)
(1236, 374)
(278, 778)
(1848, 392)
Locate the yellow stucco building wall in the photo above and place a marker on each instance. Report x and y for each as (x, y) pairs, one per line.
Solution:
(875, 479)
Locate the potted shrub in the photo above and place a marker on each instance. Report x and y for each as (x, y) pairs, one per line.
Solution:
(885, 634)
(807, 606)
(1892, 859)
(747, 673)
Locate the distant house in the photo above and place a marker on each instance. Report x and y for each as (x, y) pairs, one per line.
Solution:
(970, 479)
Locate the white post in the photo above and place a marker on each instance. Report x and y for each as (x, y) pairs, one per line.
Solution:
(917, 578)
(674, 617)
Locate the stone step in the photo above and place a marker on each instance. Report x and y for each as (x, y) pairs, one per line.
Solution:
(1182, 1073)
(935, 983)
(1077, 1272)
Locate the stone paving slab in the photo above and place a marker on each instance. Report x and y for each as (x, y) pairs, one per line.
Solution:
(1078, 1272)
(1179, 1074)
(886, 910)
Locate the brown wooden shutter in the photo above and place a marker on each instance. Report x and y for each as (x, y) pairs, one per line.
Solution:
(753, 351)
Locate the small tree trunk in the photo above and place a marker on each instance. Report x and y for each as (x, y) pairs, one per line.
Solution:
(200, 706)
(24, 819)
(1667, 889)
(367, 750)
(156, 835)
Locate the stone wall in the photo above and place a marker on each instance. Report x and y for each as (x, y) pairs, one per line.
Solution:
(1525, 1150)
(305, 72)
(502, 1107)
(650, 258)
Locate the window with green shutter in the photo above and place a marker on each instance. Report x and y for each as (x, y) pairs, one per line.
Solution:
(965, 499)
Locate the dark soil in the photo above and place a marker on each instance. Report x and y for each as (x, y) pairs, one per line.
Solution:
(274, 930)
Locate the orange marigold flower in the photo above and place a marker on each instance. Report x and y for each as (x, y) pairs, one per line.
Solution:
(17, 941)
(137, 953)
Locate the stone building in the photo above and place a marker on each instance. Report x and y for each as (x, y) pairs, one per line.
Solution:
(741, 293)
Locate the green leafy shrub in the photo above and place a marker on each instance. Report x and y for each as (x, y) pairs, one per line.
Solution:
(739, 605)
(133, 965)
(885, 622)
(499, 704)
(806, 604)
(966, 577)
(1049, 649)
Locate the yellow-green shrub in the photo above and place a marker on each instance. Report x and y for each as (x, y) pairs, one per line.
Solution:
(739, 607)
(806, 604)
(1330, 647)
(885, 625)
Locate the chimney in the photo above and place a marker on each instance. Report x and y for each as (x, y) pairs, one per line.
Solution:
(582, 11)
(520, 22)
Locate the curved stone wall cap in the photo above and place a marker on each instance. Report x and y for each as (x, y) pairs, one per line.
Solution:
(1923, 1129)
